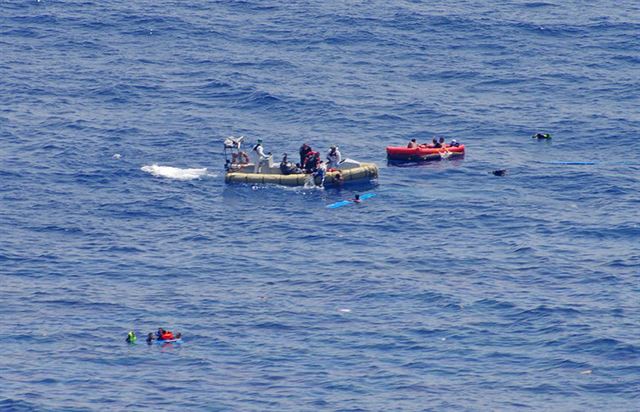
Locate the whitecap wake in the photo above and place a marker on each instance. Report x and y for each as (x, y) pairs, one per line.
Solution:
(176, 173)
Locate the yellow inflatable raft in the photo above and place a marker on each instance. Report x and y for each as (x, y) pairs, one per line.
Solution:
(348, 173)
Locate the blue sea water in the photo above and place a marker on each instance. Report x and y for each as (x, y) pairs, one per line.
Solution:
(452, 289)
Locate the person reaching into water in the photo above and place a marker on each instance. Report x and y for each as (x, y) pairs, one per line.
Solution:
(321, 172)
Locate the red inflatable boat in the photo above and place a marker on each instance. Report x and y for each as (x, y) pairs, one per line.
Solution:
(423, 152)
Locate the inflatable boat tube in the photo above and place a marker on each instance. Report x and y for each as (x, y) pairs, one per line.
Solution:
(362, 173)
(423, 153)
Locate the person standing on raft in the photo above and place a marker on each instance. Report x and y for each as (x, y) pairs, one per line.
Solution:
(260, 157)
(304, 152)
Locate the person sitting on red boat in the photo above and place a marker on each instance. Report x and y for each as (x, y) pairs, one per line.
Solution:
(436, 150)
(167, 335)
(412, 144)
(162, 334)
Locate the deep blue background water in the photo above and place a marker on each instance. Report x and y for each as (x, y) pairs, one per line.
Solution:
(451, 290)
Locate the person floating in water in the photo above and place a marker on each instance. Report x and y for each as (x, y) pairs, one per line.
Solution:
(338, 180)
(356, 199)
(150, 338)
(131, 337)
(541, 136)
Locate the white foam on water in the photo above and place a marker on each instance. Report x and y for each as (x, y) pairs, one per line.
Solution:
(175, 173)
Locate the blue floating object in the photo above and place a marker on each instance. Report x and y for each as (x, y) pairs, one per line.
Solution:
(569, 163)
(350, 202)
(162, 342)
(156, 341)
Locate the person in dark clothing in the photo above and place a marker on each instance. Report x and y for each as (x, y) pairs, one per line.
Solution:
(285, 166)
(304, 152)
(435, 144)
(311, 162)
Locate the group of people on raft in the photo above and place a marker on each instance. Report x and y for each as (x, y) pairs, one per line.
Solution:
(160, 335)
(435, 144)
(310, 160)
(310, 163)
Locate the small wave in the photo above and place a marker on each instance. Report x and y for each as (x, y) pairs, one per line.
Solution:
(176, 173)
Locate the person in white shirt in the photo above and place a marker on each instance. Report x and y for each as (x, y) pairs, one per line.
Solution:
(321, 172)
(334, 157)
(260, 156)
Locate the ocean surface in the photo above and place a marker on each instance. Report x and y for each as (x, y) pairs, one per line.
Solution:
(452, 289)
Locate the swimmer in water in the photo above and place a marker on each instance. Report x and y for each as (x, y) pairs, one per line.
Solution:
(356, 199)
(131, 337)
